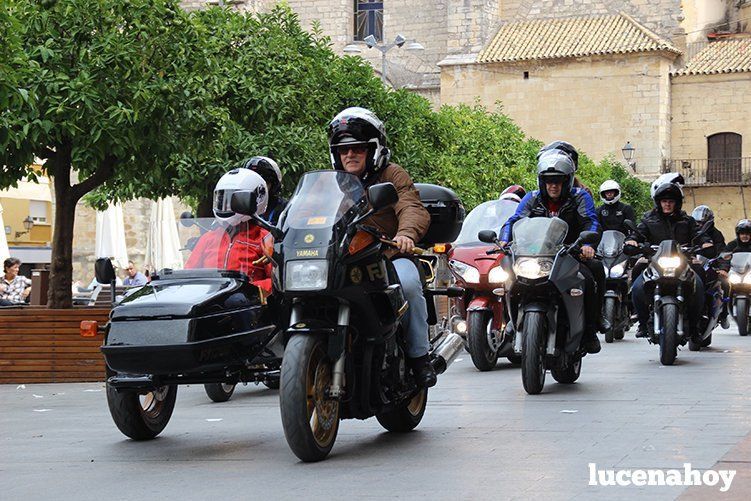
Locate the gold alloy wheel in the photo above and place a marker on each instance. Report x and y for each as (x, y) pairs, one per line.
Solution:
(417, 403)
(153, 402)
(323, 412)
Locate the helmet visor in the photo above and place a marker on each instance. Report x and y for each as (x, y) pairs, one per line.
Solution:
(222, 202)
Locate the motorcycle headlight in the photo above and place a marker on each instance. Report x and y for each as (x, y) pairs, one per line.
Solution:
(497, 275)
(306, 275)
(669, 262)
(617, 271)
(531, 267)
(469, 274)
(735, 278)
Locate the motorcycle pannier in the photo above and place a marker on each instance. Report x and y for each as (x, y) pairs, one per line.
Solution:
(446, 213)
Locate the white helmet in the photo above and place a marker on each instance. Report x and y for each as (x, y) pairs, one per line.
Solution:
(670, 177)
(610, 185)
(238, 180)
(510, 196)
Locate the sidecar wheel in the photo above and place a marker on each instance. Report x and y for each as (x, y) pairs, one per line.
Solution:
(219, 392)
(142, 415)
(407, 416)
(309, 417)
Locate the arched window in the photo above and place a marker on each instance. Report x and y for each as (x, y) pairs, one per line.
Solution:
(724, 154)
(369, 19)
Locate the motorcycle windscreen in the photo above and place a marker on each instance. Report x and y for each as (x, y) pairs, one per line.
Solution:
(490, 215)
(611, 243)
(321, 199)
(741, 262)
(213, 244)
(538, 236)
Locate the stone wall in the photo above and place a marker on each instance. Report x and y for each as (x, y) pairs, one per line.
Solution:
(729, 204)
(703, 105)
(596, 103)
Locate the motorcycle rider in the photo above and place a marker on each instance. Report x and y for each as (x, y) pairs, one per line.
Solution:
(666, 222)
(515, 193)
(569, 150)
(742, 242)
(612, 213)
(703, 216)
(270, 172)
(357, 143)
(236, 244)
(557, 197)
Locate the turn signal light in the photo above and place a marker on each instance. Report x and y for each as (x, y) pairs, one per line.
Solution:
(441, 248)
(361, 240)
(89, 328)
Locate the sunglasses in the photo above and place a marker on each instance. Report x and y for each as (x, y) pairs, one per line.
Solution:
(554, 180)
(358, 149)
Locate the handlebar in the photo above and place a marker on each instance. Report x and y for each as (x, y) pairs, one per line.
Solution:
(415, 250)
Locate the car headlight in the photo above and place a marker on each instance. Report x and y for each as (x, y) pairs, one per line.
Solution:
(669, 262)
(735, 278)
(469, 274)
(617, 271)
(531, 267)
(497, 275)
(306, 275)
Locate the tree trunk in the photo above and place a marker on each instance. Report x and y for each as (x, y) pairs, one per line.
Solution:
(59, 294)
(206, 206)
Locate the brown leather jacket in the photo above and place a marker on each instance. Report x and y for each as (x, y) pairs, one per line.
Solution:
(407, 217)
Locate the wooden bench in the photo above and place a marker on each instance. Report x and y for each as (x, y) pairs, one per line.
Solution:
(40, 345)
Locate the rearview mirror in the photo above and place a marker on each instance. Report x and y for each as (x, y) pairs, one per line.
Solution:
(382, 195)
(104, 271)
(487, 236)
(244, 202)
(186, 219)
(589, 237)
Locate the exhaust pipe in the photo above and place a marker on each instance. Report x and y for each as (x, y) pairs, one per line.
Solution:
(446, 352)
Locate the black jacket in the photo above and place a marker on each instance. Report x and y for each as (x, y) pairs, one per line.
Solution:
(737, 246)
(718, 240)
(274, 210)
(578, 210)
(611, 216)
(656, 227)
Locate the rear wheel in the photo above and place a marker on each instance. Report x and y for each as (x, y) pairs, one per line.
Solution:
(669, 335)
(707, 342)
(515, 359)
(142, 416)
(407, 416)
(569, 374)
(310, 419)
(741, 316)
(609, 313)
(483, 355)
(219, 392)
(533, 355)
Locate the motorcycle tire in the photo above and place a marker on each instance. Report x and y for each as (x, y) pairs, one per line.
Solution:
(669, 335)
(533, 354)
(741, 316)
(707, 342)
(568, 374)
(141, 416)
(310, 424)
(694, 345)
(515, 359)
(608, 312)
(407, 415)
(219, 392)
(483, 356)
(271, 384)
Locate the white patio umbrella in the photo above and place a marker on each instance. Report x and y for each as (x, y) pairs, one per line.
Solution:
(163, 245)
(110, 236)
(4, 252)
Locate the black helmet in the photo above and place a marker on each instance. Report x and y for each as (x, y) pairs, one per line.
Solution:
(669, 191)
(703, 214)
(269, 171)
(743, 226)
(359, 126)
(563, 146)
(555, 163)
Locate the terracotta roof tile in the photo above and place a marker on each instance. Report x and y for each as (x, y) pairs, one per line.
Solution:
(722, 56)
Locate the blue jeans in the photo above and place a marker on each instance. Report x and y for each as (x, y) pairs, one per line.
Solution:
(642, 301)
(415, 322)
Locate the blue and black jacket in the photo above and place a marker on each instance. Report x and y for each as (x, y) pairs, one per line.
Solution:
(578, 210)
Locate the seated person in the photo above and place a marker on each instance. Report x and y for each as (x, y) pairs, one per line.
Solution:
(135, 277)
(14, 288)
(236, 245)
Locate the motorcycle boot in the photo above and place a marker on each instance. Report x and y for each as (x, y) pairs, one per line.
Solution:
(423, 371)
(590, 342)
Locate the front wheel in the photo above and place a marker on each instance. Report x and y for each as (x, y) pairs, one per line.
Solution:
(533, 356)
(669, 334)
(219, 392)
(568, 374)
(309, 417)
(483, 355)
(609, 313)
(741, 316)
(407, 415)
(141, 416)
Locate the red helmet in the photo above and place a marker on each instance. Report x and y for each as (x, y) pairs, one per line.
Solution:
(513, 192)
